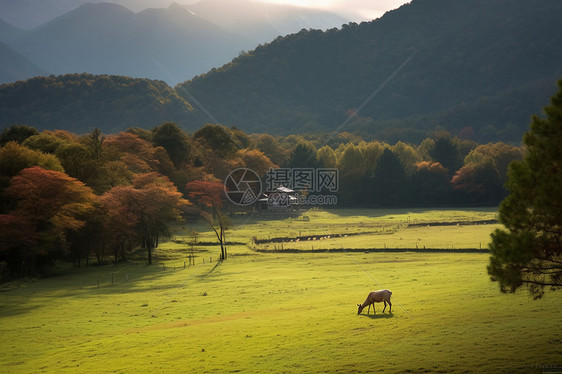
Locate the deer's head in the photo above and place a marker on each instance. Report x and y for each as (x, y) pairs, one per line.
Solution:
(359, 309)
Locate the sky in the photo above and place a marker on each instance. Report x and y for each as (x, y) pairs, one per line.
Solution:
(364, 9)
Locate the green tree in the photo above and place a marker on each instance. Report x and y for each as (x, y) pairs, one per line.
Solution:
(431, 183)
(390, 181)
(446, 151)
(219, 139)
(17, 133)
(76, 160)
(174, 140)
(408, 155)
(15, 157)
(44, 142)
(527, 254)
(303, 156)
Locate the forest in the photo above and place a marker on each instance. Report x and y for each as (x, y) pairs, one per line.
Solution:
(99, 196)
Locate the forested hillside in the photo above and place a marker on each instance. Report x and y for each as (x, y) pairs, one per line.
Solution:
(425, 63)
(82, 102)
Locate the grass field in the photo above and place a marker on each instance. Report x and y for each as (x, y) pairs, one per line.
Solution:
(280, 312)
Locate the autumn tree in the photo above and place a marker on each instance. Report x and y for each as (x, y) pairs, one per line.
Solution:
(255, 160)
(209, 196)
(478, 183)
(372, 151)
(143, 211)
(136, 153)
(270, 146)
(13, 159)
(408, 155)
(326, 156)
(49, 205)
(528, 252)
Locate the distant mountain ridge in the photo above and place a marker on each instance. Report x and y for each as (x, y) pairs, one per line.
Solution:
(455, 53)
(173, 44)
(471, 67)
(168, 44)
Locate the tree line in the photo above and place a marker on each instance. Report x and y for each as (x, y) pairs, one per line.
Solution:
(98, 197)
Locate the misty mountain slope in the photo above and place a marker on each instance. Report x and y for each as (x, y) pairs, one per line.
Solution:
(14, 66)
(28, 14)
(263, 22)
(8, 32)
(168, 44)
(172, 44)
(453, 52)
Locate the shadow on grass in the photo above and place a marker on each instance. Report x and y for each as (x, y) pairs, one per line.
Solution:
(213, 269)
(378, 315)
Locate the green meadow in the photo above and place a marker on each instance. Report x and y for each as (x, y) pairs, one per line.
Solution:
(294, 312)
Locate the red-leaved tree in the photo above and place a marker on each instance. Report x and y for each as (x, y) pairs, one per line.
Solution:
(49, 205)
(209, 198)
(143, 211)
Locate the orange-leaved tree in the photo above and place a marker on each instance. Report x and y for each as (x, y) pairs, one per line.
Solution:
(143, 210)
(49, 205)
(209, 197)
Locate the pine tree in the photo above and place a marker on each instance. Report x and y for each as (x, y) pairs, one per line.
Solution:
(528, 253)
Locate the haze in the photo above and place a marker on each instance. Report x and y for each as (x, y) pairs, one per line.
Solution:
(356, 10)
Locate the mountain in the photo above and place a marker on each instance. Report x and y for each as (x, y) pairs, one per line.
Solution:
(263, 22)
(476, 68)
(82, 102)
(168, 44)
(28, 14)
(426, 60)
(234, 15)
(8, 32)
(172, 44)
(14, 66)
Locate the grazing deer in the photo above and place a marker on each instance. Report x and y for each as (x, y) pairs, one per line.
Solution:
(376, 297)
